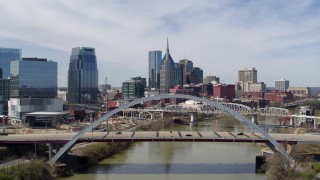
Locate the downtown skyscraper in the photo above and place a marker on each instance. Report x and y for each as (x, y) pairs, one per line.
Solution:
(155, 62)
(33, 87)
(83, 76)
(6, 56)
(167, 79)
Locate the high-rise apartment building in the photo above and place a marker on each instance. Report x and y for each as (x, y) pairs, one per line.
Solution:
(282, 85)
(155, 62)
(33, 87)
(83, 76)
(167, 72)
(248, 75)
(6, 56)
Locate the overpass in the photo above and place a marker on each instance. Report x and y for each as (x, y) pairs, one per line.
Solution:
(160, 136)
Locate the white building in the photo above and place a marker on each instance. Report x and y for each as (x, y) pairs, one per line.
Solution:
(282, 85)
(18, 106)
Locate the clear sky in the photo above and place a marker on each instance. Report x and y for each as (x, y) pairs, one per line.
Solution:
(280, 38)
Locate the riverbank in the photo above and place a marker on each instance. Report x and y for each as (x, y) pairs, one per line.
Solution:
(89, 154)
(30, 170)
(305, 166)
(95, 152)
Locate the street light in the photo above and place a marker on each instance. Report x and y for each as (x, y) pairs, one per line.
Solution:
(92, 135)
(46, 131)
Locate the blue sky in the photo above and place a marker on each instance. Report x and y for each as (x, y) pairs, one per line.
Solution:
(280, 38)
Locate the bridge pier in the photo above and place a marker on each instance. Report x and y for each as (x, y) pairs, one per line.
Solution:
(50, 150)
(292, 121)
(193, 119)
(254, 118)
(261, 164)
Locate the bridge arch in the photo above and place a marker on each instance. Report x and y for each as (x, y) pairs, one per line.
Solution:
(233, 113)
(274, 111)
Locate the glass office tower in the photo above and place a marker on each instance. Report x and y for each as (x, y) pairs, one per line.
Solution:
(155, 62)
(6, 56)
(33, 87)
(83, 76)
(4, 94)
(33, 78)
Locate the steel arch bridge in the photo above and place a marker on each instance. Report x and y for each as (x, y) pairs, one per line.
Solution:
(143, 113)
(274, 111)
(233, 113)
(239, 108)
(210, 109)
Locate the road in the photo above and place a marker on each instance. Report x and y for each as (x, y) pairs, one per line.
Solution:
(185, 136)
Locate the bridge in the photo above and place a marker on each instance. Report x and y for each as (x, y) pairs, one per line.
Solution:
(212, 109)
(160, 136)
(254, 128)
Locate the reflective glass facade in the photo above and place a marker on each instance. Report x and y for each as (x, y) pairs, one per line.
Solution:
(33, 78)
(6, 56)
(197, 75)
(155, 62)
(4, 96)
(187, 67)
(134, 88)
(83, 76)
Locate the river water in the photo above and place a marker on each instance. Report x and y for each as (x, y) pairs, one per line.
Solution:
(180, 160)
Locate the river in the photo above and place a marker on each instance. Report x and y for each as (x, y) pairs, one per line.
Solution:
(180, 160)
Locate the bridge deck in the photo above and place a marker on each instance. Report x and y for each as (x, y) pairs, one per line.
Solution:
(151, 136)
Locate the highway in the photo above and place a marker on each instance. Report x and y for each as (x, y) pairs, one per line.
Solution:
(158, 136)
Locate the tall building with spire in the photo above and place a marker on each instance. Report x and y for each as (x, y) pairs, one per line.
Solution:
(167, 79)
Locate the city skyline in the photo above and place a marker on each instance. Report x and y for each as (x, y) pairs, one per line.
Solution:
(280, 39)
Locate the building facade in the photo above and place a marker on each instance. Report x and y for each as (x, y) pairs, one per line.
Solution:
(6, 56)
(155, 62)
(282, 85)
(167, 79)
(279, 97)
(197, 75)
(28, 92)
(226, 91)
(248, 75)
(180, 90)
(4, 94)
(134, 88)
(187, 67)
(258, 87)
(300, 92)
(211, 79)
(247, 81)
(178, 74)
(83, 76)
(25, 81)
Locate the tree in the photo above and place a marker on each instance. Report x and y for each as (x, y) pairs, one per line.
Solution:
(280, 167)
